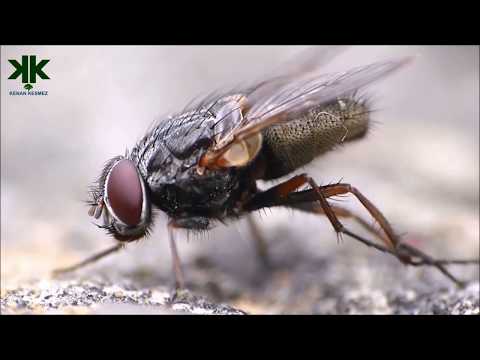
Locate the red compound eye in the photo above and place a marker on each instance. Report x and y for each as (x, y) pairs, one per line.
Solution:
(124, 192)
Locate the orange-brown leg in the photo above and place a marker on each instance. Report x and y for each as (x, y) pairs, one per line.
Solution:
(285, 194)
(341, 212)
(261, 246)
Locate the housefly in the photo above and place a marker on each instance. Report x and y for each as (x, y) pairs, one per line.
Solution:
(201, 166)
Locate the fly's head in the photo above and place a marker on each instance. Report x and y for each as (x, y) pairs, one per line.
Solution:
(120, 194)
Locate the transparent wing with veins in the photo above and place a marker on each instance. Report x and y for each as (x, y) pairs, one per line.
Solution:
(298, 89)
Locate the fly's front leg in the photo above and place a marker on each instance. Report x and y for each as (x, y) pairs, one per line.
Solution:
(192, 223)
(176, 263)
(90, 260)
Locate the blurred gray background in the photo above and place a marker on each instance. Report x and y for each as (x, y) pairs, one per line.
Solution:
(419, 164)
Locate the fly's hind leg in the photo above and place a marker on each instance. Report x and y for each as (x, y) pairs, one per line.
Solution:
(261, 246)
(285, 194)
(341, 212)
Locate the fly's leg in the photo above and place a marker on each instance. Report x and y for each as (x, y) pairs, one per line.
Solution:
(196, 222)
(176, 263)
(391, 240)
(261, 247)
(90, 260)
(260, 243)
(341, 212)
(404, 252)
(284, 195)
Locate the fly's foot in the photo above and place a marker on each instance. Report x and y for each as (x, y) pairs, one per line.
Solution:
(182, 295)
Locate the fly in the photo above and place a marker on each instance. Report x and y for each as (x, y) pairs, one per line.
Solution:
(201, 166)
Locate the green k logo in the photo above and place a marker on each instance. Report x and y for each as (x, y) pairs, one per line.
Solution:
(29, 69)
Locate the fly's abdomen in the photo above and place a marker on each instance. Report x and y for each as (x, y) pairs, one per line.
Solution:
(320, 129)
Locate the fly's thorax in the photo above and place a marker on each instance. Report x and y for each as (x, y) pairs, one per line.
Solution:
(313, 133)
(210, 195)
(168, 162)
(174, 142)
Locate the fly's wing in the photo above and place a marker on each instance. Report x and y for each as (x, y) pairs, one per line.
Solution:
(225, 100)
(309, 61)
(228, 101)
(274, 101)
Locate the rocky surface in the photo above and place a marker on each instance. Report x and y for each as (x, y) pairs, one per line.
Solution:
(88, 297)
(97, 297)
(311, 286)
